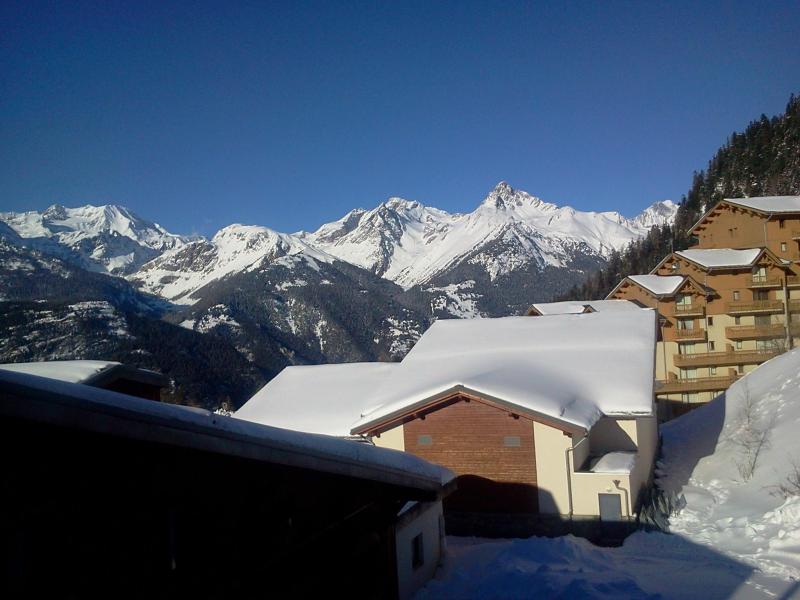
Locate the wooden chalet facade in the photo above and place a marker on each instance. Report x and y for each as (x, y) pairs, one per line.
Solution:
(738, 305)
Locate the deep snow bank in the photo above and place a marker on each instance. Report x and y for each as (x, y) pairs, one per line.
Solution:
(731, 458)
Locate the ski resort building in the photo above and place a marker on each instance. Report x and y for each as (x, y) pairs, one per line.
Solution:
(550, 416)
(727, 304)
(112, 495)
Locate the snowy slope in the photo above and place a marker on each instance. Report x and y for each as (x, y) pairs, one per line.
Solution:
(410, 243)
(179, 273)
(106, 238)
(707, 457)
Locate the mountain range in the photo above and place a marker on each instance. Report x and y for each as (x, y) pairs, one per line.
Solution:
(363, 287)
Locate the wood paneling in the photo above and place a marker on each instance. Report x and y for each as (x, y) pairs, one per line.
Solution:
(468, 437)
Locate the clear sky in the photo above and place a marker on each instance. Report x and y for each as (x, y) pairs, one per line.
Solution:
(289, 114)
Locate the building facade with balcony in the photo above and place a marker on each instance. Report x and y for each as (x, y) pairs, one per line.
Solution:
(727, 304)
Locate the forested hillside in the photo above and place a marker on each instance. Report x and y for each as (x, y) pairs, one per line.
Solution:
(764, 160)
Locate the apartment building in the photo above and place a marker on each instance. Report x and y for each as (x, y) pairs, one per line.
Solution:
(727, 304)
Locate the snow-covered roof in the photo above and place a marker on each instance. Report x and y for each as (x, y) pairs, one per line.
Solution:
(660, 285)
(715, 258)
(571, 307)
(71, 371)
(326, 399)
(770, 204)
(93, 409)
(569, 368)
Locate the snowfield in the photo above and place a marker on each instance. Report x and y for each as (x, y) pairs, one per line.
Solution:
(736, 461)
(748, 518)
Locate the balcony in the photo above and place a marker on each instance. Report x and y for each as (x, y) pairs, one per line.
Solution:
(793, 281)
(794, 305)
(719, 359)
(756, 307)
(699, 384)
(757, 332)
(762, 281)
(689, 310)
(795, 235)
(685, 335)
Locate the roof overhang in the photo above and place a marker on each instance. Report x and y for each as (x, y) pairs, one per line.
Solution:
(439, 400)
(86, 408)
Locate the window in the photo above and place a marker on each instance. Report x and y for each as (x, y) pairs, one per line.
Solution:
(760, 274)
(781, 224)
(674, 266)
(712, 370)
(686, 324)
(738, 344)
(735, 294)
(740, 369)
(710, 321)
(737, 320)
(417, 552)
(512, 441)
(761, 295)
(424, 440)
(685, 348)
(711, 346)
(689, 397)
(783, 246)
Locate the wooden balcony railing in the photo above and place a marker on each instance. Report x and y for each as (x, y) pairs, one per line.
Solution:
(762, 281)
(690, 334)
(699, 384)
(795, 235)
(794, 305)
(757, 332)
(756, 306)
(793, 281)
(718, 359)
(689, 310)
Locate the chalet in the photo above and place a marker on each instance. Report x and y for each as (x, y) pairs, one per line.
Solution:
(723, 311)
(112, 495)
(102, 374)
(569, 307)
(771, 222)
(550, 416)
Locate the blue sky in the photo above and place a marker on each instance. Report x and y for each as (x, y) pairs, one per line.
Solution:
(289, 114)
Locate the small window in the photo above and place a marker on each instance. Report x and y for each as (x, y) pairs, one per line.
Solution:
(417, 552)
(781, 224)
(710, 321)
(735, 294)
(783, 245)
(424, 440)
(711, 346)
(712, 370)
(737, 320)
(738, 344)
(740, 368)
(512, 441)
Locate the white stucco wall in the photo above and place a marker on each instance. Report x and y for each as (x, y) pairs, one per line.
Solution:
(410, 579)
(610, 435)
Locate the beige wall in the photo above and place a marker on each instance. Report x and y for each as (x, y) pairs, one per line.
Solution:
(391, 439)
(610, 434)
(551, 468)
(587, 486)
(426, 523)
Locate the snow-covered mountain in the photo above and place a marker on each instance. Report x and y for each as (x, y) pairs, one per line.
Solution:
(180, 272)
(107, 238)
(412, 244)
